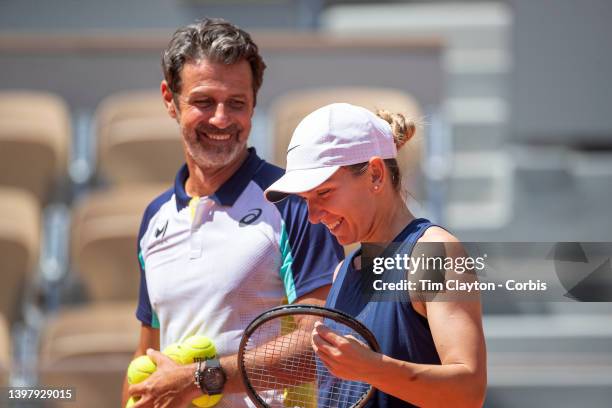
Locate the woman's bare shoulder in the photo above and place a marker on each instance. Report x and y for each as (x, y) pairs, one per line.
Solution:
(437, 234)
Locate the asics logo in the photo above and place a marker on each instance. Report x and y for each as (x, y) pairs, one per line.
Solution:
(251, 217)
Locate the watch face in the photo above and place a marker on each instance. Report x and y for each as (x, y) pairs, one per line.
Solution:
(214, 379)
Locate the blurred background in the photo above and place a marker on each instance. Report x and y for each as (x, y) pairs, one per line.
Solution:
(514, 98)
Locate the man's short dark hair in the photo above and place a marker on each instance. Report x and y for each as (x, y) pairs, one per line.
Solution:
(218, 41)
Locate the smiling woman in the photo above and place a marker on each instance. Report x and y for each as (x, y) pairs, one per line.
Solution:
(342, 161)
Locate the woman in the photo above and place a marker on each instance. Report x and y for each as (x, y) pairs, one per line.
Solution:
(342, 161)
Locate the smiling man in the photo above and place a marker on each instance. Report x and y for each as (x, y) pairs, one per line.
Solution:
(213, 252)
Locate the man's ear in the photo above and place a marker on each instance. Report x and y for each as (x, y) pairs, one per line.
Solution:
(168, 99)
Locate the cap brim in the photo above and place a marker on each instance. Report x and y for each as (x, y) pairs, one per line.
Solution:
(298, 181)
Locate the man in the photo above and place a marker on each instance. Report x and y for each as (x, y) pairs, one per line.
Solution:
(214, 254)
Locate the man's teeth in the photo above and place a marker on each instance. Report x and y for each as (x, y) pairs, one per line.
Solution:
(333, 226)
(219, 136)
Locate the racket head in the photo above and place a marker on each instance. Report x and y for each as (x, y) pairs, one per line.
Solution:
(276, 360)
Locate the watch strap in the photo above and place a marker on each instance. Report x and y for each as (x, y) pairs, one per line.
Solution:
(197, 376)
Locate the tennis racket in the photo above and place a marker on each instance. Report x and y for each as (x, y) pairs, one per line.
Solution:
(279, 368)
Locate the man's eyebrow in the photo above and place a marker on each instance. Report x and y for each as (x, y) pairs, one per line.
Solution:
(204, 92)
(197, 94)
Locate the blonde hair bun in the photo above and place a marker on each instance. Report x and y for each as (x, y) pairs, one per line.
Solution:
(402, 128)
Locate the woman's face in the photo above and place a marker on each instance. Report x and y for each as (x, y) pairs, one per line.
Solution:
(344, 204)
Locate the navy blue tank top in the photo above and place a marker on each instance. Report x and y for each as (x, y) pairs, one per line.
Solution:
(402, 333)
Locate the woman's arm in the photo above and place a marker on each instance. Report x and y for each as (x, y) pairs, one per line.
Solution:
(459, 382)
(456, 327)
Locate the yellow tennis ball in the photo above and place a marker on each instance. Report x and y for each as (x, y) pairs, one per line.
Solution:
(202, 348)
(140, 369)
(206, 401)
(131, 402)
(176, 353)
(197, 348)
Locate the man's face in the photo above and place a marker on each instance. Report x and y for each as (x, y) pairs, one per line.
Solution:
(214, 110)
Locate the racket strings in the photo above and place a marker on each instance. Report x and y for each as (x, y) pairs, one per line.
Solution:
(283, 369)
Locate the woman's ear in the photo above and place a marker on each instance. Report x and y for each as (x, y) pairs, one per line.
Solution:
(377, 173)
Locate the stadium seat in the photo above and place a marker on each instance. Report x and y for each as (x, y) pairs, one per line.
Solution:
(34, 140)
(19, 246)
(137, 140)
(5, 352)
(103, 240)
(104, 231)
(89, 348)
(288, 110)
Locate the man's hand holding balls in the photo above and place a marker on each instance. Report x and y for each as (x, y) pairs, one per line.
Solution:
(190, 351)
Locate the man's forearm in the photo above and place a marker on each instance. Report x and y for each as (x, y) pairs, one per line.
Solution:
(124, 392)
(233, 382)
(229, 363)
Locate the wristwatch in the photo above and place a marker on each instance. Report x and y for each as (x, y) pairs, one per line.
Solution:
(209, 376)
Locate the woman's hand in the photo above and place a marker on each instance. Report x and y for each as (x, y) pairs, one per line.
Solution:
(344, 356)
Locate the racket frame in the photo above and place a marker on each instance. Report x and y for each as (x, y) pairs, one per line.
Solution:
(291, 310)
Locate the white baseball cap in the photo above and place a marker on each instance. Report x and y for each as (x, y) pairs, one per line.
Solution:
(333, 136)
